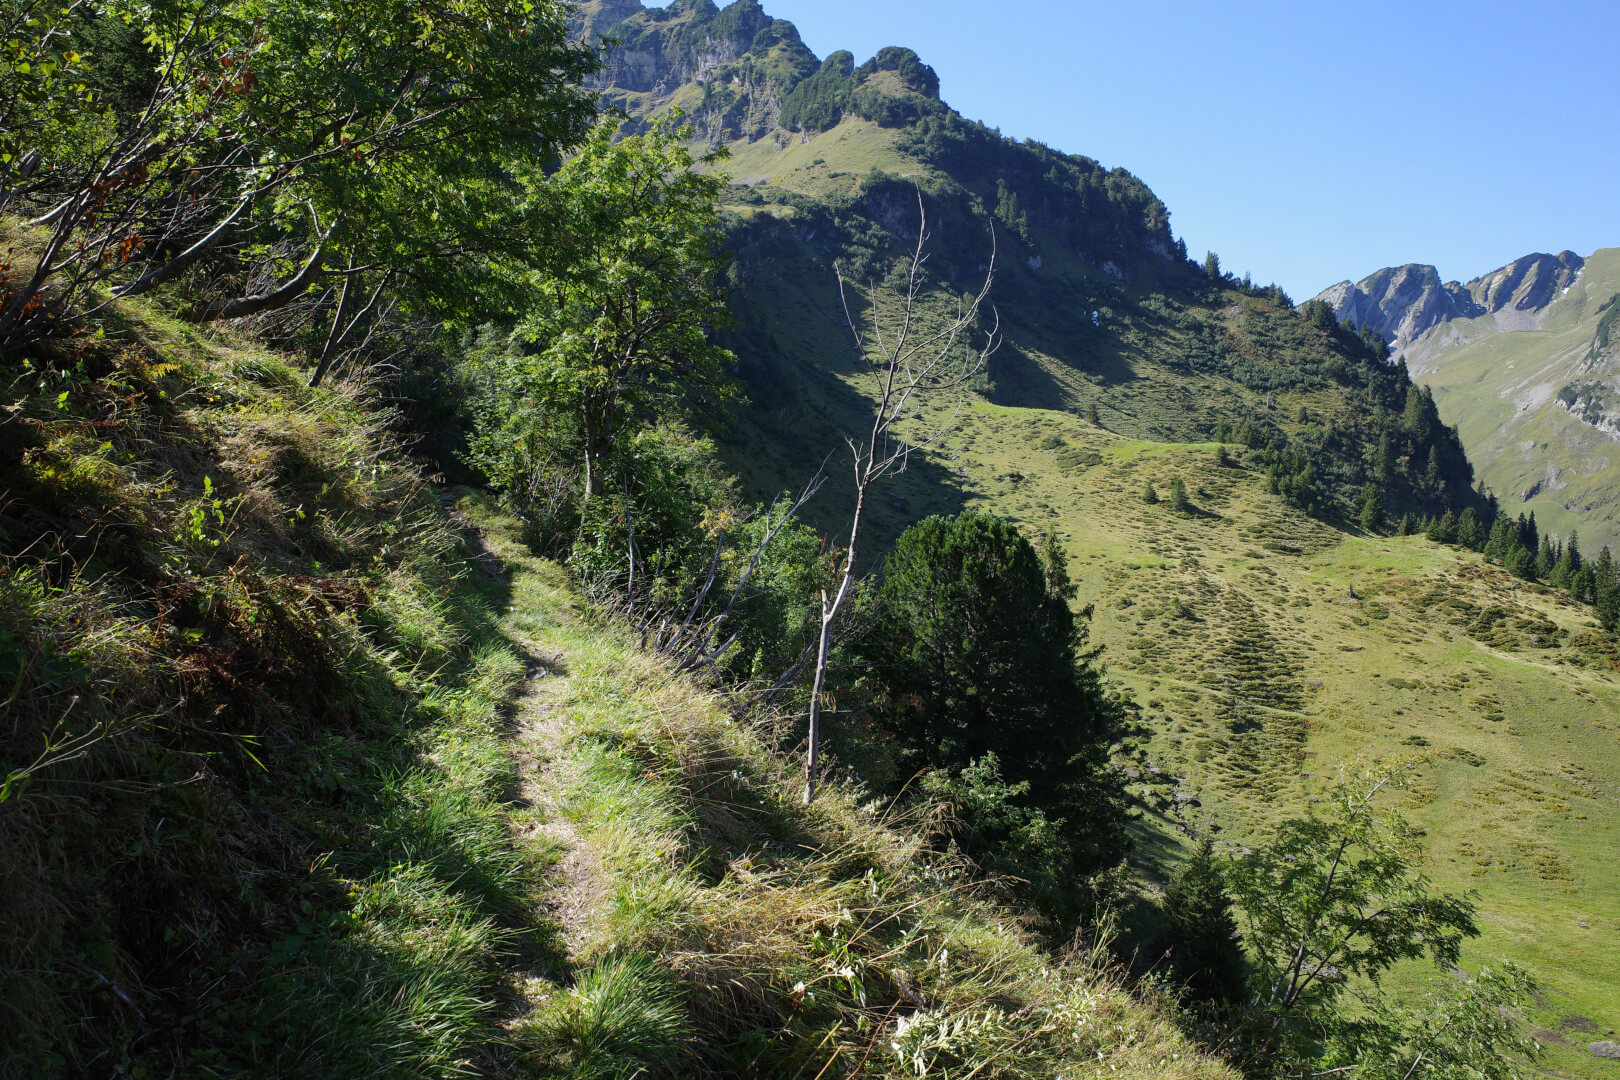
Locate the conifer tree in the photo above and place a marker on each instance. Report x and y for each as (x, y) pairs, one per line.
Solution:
(1444, 529)
(1202, 937)
(1150, 494)
(1581, 585)
(1178, 496)
(1521, 563)
(1409, 524)
(1384, 464)
(1567, 566)
(1091, 415)
(1529, 535)
(1546, 557)
(1504, 538)
(1470, 533)
(1606, 589)
(1415, 418)
(1372, 509)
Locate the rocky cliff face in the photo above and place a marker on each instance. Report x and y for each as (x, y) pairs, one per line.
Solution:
(1405, 302)
(1401, 302)
(1521, 290)
(727, 68)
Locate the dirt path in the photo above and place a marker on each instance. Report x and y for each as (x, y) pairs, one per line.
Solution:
(545, 770)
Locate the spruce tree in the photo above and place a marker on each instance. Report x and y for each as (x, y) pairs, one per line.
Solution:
(1372, 509)
(1091, 415)
(1444, 530)
(1504, 538)
(1150, 494)
(1546, 557)
(1521, 563)
(1606, 589)
(1202, 937)
(1562, 575)
(1529, 536)
(1384, 465)
(1431, 474)
(1413, 418)
(1470, 533)
(1581, 585)
(1409, 524)
(1178, 496)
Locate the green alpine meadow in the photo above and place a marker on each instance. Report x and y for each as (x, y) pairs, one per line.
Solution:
(586, 540)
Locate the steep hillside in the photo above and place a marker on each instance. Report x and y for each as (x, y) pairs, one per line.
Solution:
(1098, 306)
(1269, 647)
(1268, 651)
(312, 770)
(1530, 373)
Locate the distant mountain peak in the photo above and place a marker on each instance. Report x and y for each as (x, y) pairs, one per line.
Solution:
(1405, 302)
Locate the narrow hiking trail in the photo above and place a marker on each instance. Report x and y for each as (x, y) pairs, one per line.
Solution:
(688, 915)
(545, 772)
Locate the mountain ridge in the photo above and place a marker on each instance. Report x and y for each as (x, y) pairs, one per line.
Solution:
(1403, 303)
(1524, 359)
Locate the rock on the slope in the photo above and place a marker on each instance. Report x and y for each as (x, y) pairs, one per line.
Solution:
(1606, 1050)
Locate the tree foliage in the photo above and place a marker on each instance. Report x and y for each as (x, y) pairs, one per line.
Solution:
(1334, 900)
(620, 297)
(977, 655)
(1202, 935)
(292, 141)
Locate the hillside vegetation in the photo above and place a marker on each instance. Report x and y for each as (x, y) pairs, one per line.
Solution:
(902, 618)
(1268, 647)
(331, 793)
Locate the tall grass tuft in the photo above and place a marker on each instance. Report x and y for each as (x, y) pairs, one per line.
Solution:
(622, 1019)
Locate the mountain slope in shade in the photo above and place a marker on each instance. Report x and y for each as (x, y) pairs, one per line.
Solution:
(1525, 361)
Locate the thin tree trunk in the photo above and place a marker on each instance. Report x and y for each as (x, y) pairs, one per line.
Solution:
(280, 296)
(829, 616)
(325, 361)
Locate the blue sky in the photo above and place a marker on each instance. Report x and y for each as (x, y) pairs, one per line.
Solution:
(1305, 142)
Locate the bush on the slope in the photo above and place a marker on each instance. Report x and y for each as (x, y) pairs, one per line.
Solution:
(976, 665)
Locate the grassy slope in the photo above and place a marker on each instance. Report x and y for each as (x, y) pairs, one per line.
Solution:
(788, 939)
(309, 844)
(1510, 689)
(1501, 389)
(1052, 357)
(1236, 629)
(286, 848)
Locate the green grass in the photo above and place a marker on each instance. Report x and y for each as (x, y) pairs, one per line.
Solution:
(1260, 677)
(282, 840)
(718, 927)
